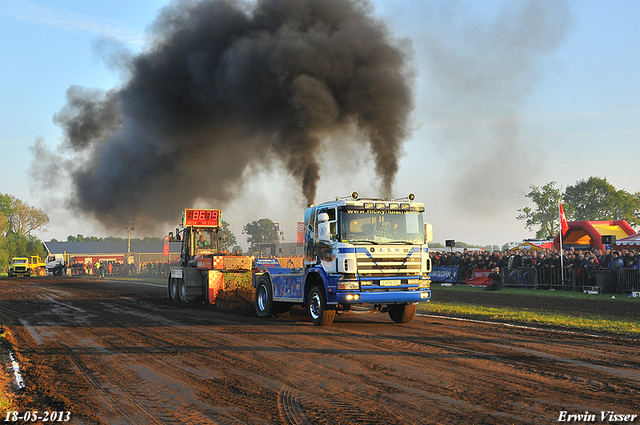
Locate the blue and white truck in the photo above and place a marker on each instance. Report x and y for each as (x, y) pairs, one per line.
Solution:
(359, 252)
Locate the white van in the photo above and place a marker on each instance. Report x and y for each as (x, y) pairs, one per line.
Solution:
(55, 263)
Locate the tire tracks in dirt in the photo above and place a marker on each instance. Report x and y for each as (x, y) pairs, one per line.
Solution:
(150, 361)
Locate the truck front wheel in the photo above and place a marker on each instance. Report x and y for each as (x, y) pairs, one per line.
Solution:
(264, 298)
(402, 313)
(317, 308)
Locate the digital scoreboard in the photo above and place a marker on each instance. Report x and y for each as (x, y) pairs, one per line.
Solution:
(200, 217)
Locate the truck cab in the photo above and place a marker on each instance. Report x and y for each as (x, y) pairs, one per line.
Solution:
(203, 266)
(55, 264)
(196, 242)
(26, 266)
(19, 267)
(364, 252)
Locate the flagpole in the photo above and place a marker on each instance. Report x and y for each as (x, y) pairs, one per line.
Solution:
(560, 215)
(561, 251)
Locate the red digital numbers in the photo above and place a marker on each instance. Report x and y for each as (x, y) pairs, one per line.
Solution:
(194, 217)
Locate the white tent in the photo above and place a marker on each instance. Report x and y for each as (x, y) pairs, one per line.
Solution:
(631, 242)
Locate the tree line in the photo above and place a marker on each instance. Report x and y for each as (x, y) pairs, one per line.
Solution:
(593, 199)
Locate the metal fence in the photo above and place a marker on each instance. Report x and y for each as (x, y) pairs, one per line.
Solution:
(619, 281)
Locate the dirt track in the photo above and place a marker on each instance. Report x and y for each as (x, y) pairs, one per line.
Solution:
(119, 353)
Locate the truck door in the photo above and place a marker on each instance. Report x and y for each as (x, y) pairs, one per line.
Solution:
(326, 236)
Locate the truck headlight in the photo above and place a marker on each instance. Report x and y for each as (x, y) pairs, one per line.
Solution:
(426, 283)
(349, 285)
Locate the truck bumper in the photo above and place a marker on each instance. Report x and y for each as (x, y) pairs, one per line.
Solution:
(382, 297)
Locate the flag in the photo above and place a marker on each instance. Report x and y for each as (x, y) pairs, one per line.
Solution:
(563, 221)
(165, 246)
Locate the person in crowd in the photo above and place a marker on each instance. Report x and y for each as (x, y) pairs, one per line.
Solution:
(590, 269)
(616, 261)
(496, 280)
(605, 259)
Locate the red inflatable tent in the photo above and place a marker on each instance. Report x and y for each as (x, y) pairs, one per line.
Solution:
(588, 234)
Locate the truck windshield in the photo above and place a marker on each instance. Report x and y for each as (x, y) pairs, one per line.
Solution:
(20, 261)
(205, 239)
(382, 227)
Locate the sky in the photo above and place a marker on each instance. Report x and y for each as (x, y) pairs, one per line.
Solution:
(507, 94)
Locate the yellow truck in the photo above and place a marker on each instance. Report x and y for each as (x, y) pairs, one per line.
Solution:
(23, 266)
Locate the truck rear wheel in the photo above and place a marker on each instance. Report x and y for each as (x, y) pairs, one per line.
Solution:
(264, 298)
(402, 313)
(42, 272)
(182, 290)
(317, 307)
(174, 289)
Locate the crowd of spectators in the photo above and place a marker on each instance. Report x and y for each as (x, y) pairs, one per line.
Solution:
(581, 265)
(110, 268)
(118, 268)
(545, 258)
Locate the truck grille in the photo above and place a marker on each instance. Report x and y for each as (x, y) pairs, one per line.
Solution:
(399, 265)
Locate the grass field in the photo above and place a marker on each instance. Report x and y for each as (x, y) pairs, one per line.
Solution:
(604, 313)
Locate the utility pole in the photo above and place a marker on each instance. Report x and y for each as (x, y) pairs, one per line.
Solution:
(129, 227)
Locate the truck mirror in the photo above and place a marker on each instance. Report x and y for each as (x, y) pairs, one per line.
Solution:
(324, 234)
(428, 232)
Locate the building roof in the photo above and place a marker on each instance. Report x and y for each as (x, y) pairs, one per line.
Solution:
(110, 247)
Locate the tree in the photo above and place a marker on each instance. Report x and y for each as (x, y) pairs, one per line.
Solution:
(260, 231)
(20, 217)
(545, 214)
(596, 199)
(5, 210)
(231, 238)
(17, 221)
(18, 245)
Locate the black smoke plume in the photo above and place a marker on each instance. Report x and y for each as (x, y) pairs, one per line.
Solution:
(226, 87)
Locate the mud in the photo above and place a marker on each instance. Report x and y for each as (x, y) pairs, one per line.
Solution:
(120, 353)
